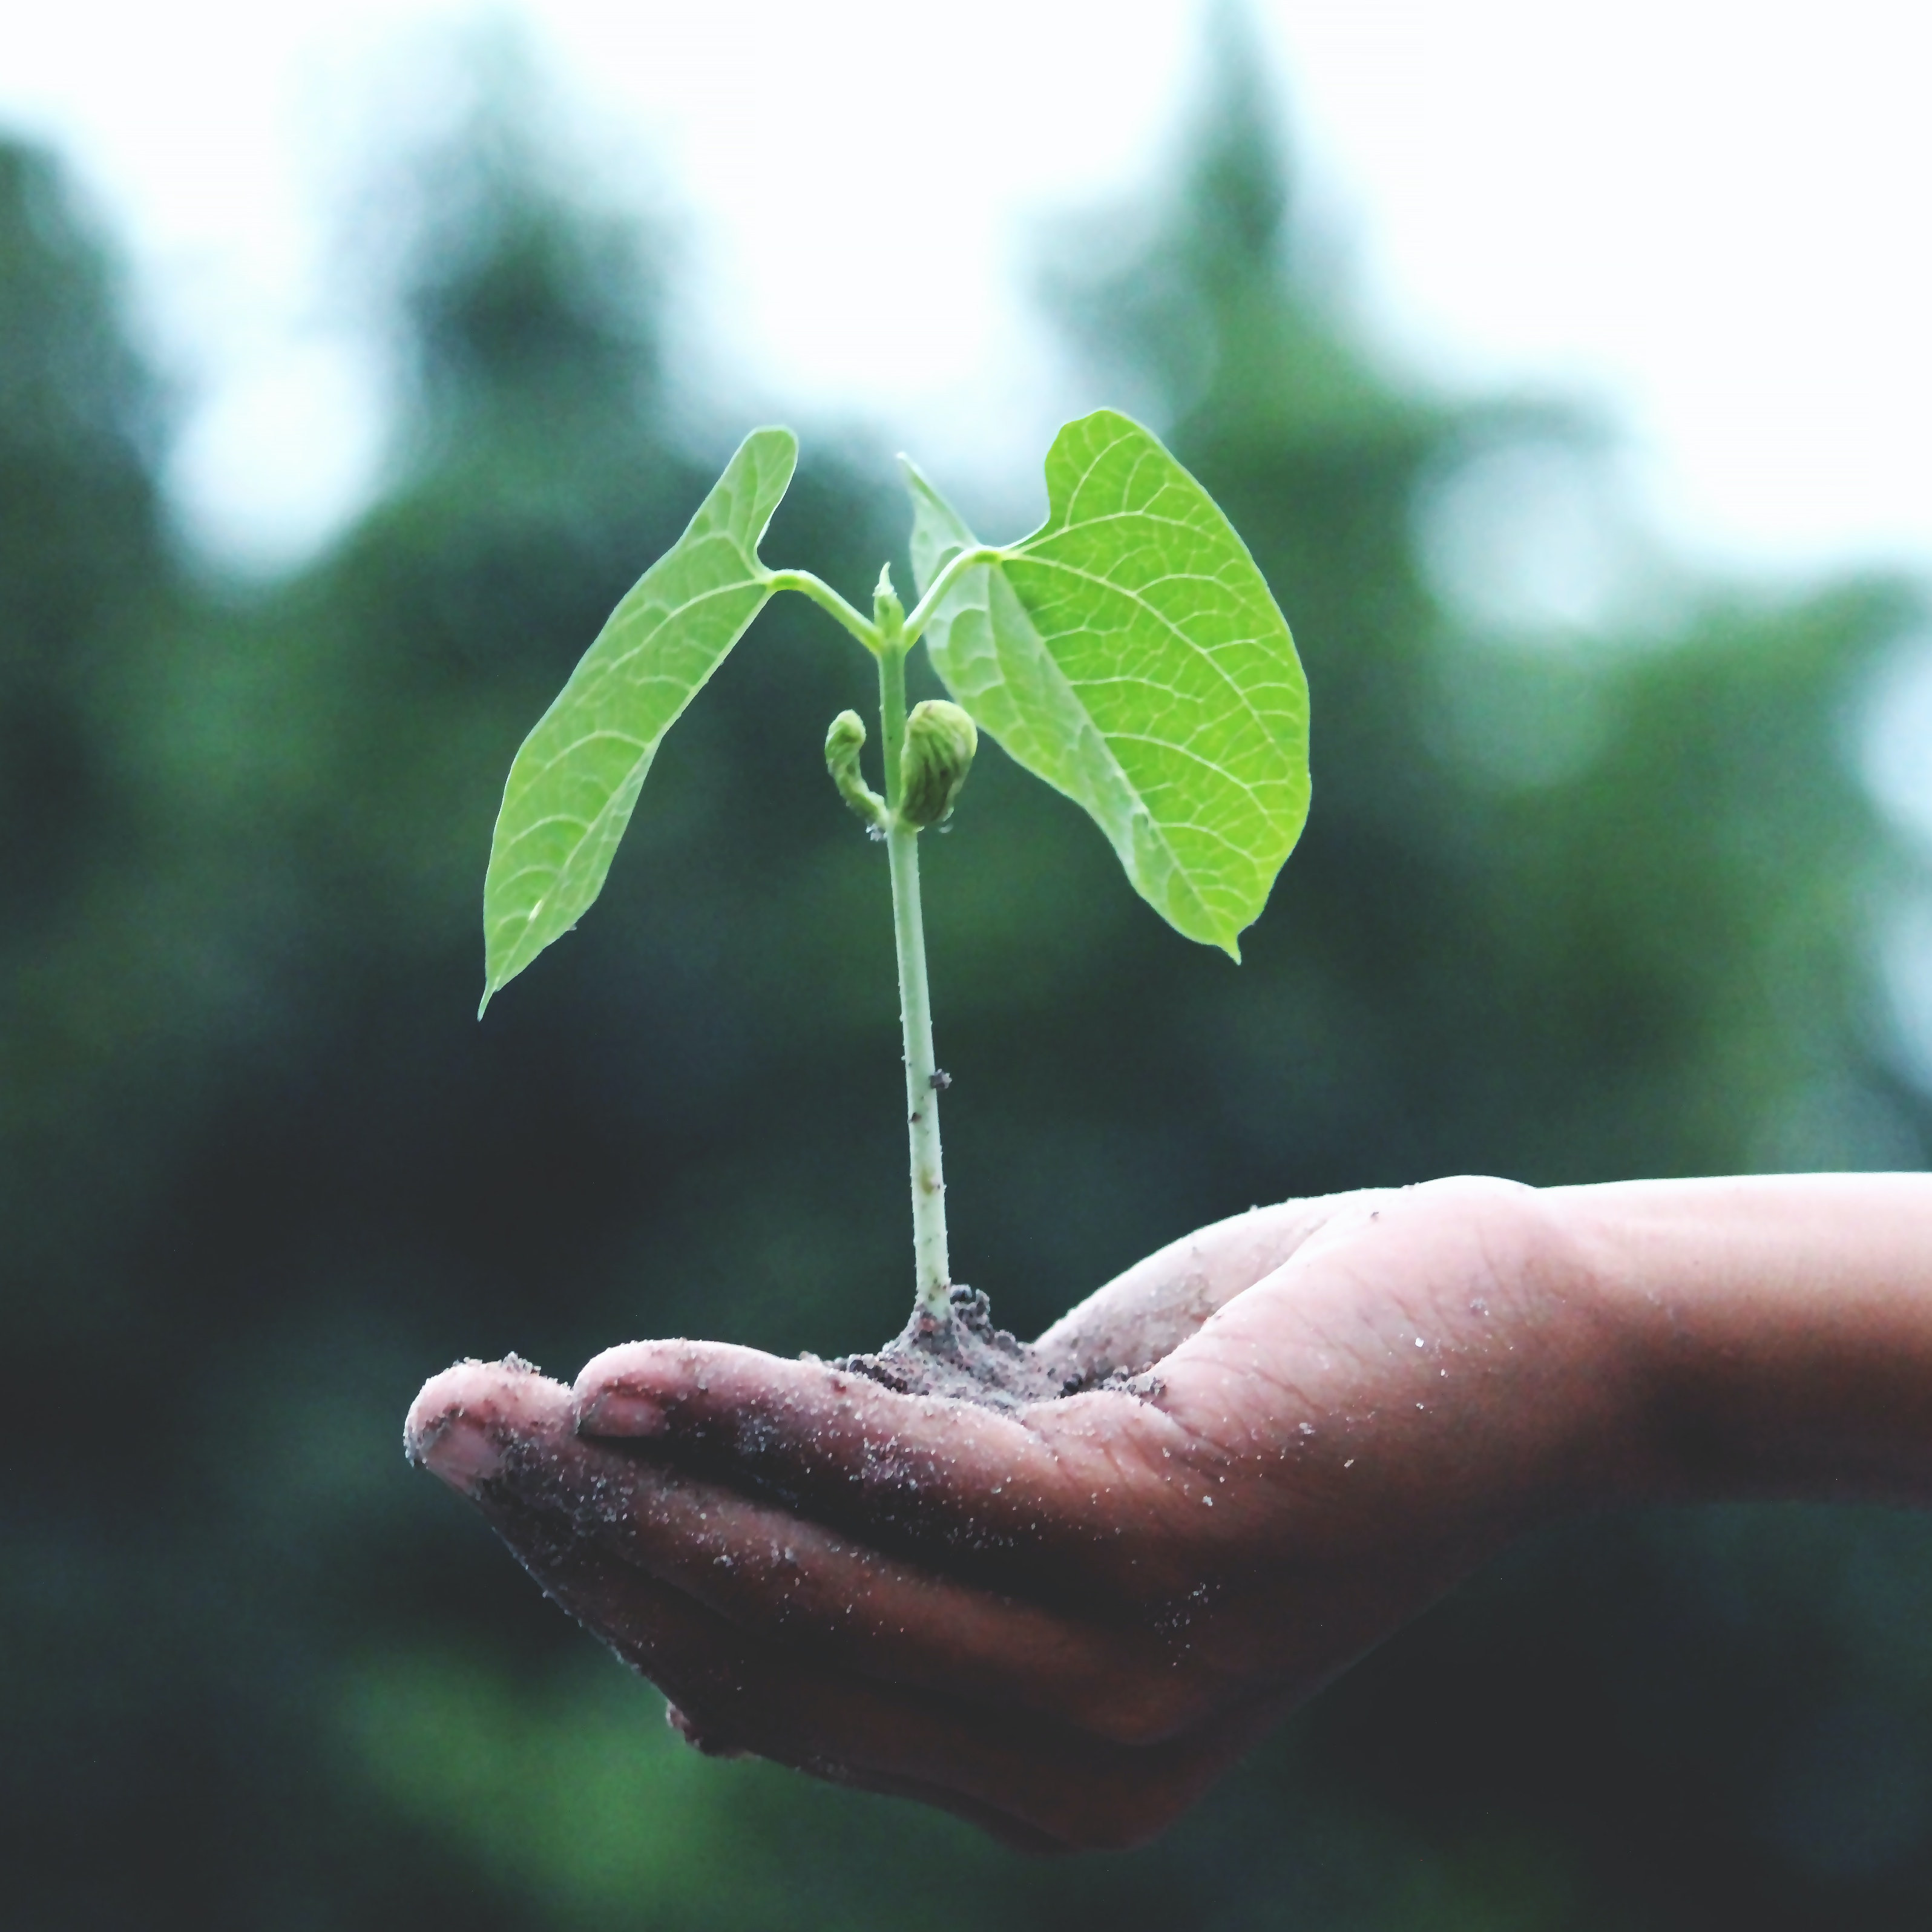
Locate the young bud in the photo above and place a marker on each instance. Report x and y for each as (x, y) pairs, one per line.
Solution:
(843, 743)
(888, 613)
(939, 741)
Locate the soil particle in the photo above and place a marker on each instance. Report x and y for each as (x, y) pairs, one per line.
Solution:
(965, 1357)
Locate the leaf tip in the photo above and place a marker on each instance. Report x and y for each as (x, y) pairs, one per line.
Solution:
(495, 979)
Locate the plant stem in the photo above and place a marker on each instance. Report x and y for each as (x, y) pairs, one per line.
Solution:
(934, 1272)
(956, 567)
(827, 599)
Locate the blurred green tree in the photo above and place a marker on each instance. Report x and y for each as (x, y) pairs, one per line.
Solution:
(1594, 908)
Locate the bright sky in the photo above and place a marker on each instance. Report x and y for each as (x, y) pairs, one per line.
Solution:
(1710, 217)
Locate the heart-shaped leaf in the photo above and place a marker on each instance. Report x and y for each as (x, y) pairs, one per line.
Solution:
(1130, 653)
(573, 783)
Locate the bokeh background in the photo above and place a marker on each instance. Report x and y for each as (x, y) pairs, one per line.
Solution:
(1589, 891)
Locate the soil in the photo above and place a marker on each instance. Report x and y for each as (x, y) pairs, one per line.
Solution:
(966, 1357)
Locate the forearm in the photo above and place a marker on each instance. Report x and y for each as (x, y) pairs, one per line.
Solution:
(1780, 1330)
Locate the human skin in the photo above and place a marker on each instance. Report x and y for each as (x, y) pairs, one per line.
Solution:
(1064, 1621)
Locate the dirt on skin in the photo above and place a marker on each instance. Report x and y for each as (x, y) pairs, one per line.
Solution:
(966, 1357)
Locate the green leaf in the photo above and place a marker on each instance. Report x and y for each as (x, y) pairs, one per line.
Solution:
(573, 783)
(1129, 653)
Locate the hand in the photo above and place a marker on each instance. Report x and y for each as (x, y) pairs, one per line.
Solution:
(1064, 1622)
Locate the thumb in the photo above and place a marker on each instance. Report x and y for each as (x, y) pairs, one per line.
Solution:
(1148, 1312)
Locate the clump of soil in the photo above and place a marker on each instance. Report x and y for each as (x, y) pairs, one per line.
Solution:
(964, 1356)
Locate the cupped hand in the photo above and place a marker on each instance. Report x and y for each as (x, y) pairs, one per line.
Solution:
(1063, 1621)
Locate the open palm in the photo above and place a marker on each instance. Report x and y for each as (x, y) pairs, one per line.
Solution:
(1063, 1621)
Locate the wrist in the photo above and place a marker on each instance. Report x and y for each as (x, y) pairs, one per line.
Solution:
(1599, 1446)
(1634, 1449)
(1775, 1333)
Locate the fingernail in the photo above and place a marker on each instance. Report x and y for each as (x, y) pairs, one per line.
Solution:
(461, 1454)
(619, 1412)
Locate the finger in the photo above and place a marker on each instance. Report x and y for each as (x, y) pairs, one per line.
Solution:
(1144, 1314)
(1061, 1493)
(1053, 1781)
(501, 1435)
(503, 1402)
(775, 1575)
(1006, 1770)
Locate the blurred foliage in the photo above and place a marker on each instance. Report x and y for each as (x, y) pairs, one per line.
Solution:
(1583, 908)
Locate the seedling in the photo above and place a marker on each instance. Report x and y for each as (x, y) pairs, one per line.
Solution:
(1128, 653)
